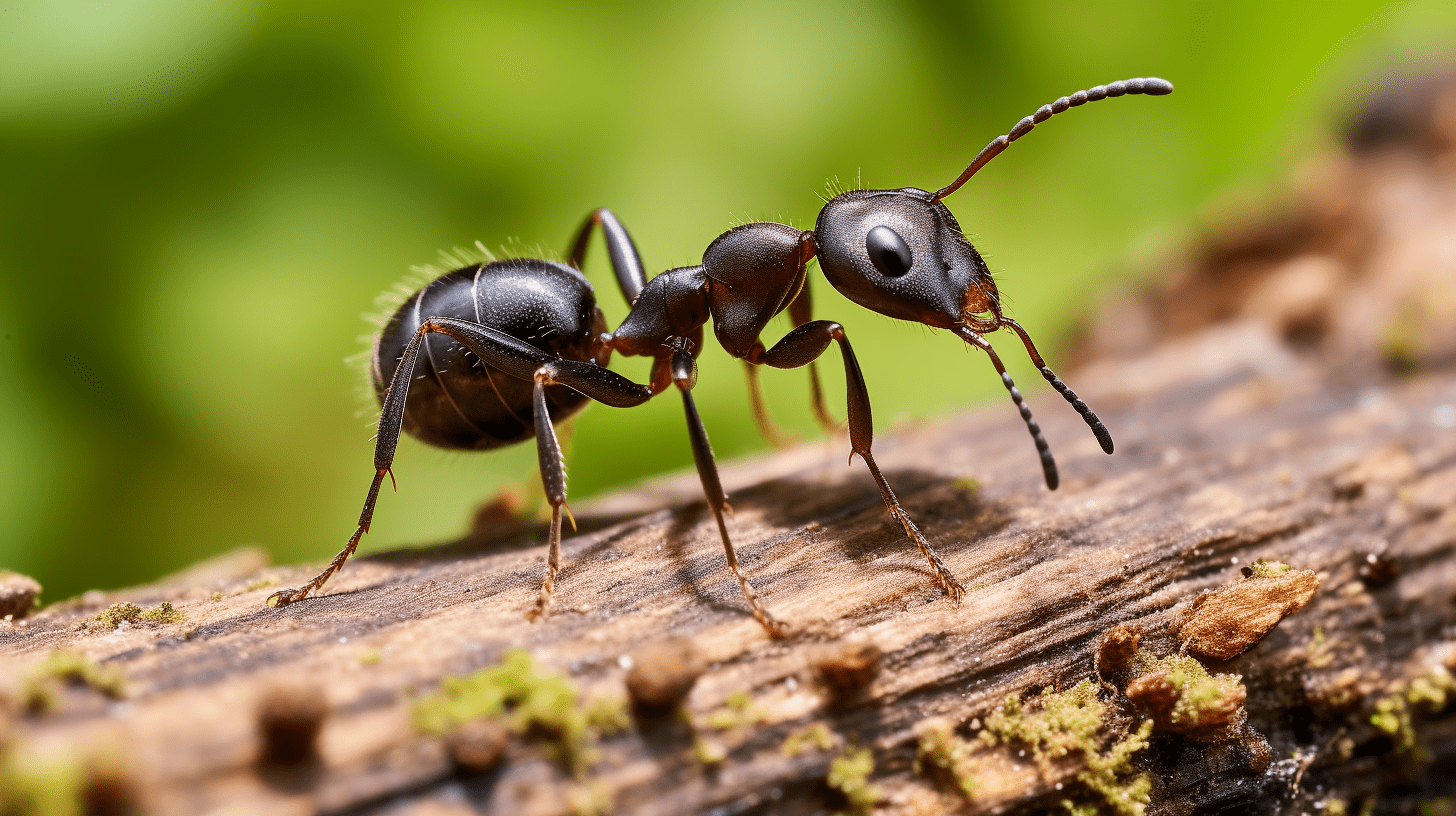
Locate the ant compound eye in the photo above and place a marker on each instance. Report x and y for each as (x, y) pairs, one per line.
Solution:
(888, 251)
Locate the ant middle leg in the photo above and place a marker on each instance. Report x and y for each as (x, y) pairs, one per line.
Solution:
(801, 311)
(804, 345)
(622, 252)
(685, 375)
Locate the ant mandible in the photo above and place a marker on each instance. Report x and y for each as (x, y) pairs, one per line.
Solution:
(525, 345)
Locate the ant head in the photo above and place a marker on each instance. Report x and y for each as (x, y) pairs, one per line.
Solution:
(901, 253)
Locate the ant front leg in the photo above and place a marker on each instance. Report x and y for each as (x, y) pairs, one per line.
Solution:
(684, 371)
(804, 345)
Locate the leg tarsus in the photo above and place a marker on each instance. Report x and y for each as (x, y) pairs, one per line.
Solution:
(713, 491)
(944, 578)
(284, 597)
(805, 344)
(553, 566)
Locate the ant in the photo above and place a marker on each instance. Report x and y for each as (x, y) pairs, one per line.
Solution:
(512, 347)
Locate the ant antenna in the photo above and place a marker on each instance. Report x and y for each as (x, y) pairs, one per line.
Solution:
(1152, 86)
(1098, 429)
(1048, 464)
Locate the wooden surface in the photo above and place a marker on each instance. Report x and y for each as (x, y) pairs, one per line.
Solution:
(1242, 434)
(1226, 466)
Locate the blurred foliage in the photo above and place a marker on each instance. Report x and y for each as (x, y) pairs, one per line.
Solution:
(200, 199)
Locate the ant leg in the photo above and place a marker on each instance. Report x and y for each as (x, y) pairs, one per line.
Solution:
(801, 311)
(553, 478)
(391, 418)
(626, 262)
(803, 345)
(685, 375)
(496, 348)
(766, 427)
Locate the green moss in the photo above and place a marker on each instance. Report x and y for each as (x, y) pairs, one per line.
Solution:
(737, 711)
(939, 751)
(1268, 569)
(815, 736)
(608, 715)
(1060, 723)
(1128, 797)
(28, 788)
(850, 775)
(162, 613)
(1394, 713)
(42, 687)
(539, 706)
(128, 612)
(967, 484)
(1079, 810)
(1202, 697)
(119, 613)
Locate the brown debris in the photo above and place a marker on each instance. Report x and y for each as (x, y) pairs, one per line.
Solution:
(663, 673)
(848, 667)
(1225, 623)
(478, 745)
(17, 594)
(290, 717)
(1117, 648)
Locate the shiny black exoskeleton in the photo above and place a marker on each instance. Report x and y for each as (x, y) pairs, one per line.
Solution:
(495, 353)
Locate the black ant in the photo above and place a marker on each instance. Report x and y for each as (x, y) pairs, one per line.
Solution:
(525, 345)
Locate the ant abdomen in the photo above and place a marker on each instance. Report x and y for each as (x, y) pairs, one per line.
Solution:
(457, 401)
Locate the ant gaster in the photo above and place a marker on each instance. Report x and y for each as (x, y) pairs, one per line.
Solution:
(492, 354)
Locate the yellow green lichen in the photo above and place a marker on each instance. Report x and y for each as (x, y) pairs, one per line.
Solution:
(371, 658)
(850, 775)
(129, 613)
(1394, 712)
(119, 613)
(1055, 724)
(1062, 722)
(815, 736)
(260, 583)
(738, 710)
(1268, 569)
(41, 692)
(215, 597)
(938, 750)
(1130, 796)
(967, 484)
(1202, 698)
(28, 788)
(608, 715)
(162, 613)
(535, 705)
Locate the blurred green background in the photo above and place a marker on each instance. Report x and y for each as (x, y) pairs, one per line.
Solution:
(200, 199)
